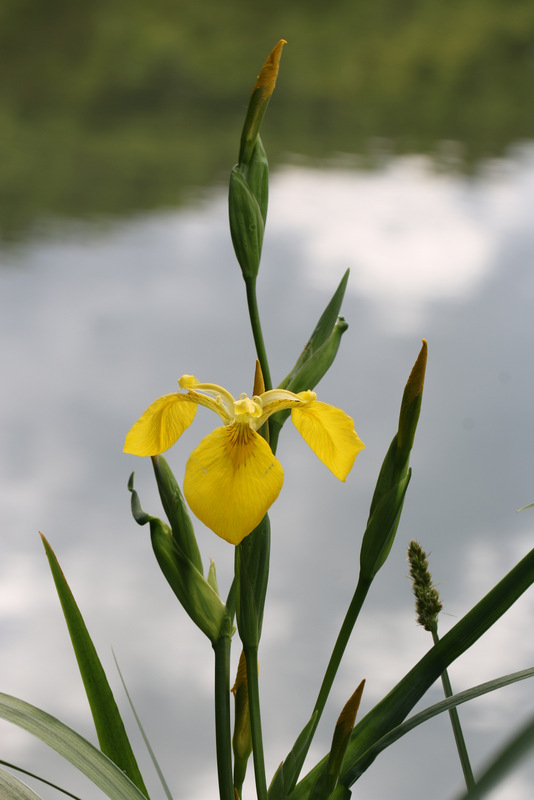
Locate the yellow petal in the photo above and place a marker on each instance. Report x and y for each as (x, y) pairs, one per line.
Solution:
(160, 425)
(231, 480)
(330, 434)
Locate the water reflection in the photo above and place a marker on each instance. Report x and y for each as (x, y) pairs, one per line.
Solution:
(96, 323)
(108, 110)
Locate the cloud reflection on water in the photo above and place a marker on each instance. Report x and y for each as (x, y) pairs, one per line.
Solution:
(96, 323)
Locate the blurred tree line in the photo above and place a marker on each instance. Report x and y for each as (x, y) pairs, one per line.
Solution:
(112, 106)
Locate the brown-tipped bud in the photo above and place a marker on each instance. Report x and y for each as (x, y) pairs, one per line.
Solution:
(427, 602)
(410, 407)
(328, 780)
(242, 738)
(259, 99)
(345, 724)
(259, 383)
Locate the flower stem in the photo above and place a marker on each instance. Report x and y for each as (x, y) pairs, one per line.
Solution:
(456, 726)
(252, 302)
(345, 631)
(222, 717)
(341, 643)
(251, 656)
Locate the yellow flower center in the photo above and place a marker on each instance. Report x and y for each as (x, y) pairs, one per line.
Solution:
(246, 409)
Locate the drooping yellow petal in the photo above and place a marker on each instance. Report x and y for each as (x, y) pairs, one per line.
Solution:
(231, 480)
(160, 425)
(330, 434)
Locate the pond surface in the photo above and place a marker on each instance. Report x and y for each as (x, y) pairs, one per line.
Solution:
(98, 320)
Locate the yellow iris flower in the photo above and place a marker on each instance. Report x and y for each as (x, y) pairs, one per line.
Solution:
(232, 478)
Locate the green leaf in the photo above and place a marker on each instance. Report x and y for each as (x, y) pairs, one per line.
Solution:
(321, 333)
(286, 775)
(145, 737)
(340, 793)
(11, 788)
(506, 759)
(84, 756)
(319, 361)
(393, 709)
(316, 358)
(109, 726)
(39, 778)
(445, 705)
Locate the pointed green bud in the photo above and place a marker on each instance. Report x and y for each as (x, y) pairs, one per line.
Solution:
(342, 733)
(196, 595)
(381, 529)
(257, 177)
(395, 464)
(410, 408)
(176, 511)
(252, 556)
(246, 224)
(259, 100)
(242, 738)
(327, 781)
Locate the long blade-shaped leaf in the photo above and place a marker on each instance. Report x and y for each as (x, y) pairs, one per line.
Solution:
(110, 729)
(398, 703)
(392, 710)
(145, 737)
(74, 748)
(505, 760)
(39, 778)
(321, 332)
(287, 773)
(11, 788)
(446, 705)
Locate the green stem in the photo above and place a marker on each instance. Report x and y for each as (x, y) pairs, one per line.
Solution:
(456, 726)
(254, 315)
(341, 643)
(346, 629)
(251, 657)
(222, 718)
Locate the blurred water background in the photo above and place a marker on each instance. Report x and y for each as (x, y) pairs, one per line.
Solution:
(401, 143)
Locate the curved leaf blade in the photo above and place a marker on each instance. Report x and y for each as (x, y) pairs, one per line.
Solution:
(38, 778)
(112, 736)
(83, 755)
(506, 759)
(11, 788)
(445, 705)
(393, 709)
